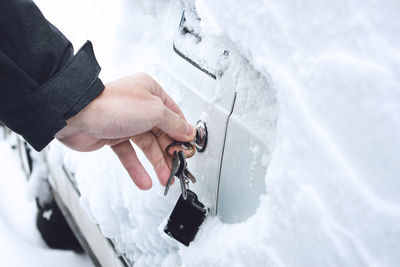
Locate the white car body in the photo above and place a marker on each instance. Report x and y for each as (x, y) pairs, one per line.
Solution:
(230, 171)
(316, 187)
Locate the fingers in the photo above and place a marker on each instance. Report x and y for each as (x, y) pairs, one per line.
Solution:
(148, 143)
(166, 99)
(173, 121)
(163, 140)
(176, 127)
(131, 163)
(173, 106)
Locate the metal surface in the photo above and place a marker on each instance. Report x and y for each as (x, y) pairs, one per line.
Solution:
(197, 65)
(188, 148)
(174, 170)
(247, 153)
(242, 175)
(179, 48)
(201, 136)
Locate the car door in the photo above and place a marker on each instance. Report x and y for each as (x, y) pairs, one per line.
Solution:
(207, 96)
(220, 87)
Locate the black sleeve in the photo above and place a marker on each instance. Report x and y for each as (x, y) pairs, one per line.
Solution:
(42, 84)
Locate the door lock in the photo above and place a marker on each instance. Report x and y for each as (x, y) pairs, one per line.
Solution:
(201, 136)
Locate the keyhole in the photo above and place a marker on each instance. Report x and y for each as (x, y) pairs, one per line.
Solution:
(201, 136)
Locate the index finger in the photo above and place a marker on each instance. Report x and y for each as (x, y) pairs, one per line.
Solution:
(175, 126)
(167, 100)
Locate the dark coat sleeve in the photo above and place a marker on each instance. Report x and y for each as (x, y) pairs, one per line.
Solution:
(42, 83)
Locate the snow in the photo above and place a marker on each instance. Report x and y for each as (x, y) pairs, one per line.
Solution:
(332, 182)
(20, 242)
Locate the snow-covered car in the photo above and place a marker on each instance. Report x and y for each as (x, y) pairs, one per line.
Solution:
(211, 81)
(293, 174)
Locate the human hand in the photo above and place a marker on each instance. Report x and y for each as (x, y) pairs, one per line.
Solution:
(132, 108)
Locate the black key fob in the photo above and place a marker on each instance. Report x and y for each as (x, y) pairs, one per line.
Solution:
(186, 218)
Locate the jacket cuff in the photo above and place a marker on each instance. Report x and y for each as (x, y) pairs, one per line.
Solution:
(65, 94)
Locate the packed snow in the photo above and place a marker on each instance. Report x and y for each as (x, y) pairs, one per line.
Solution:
(332, 177)
(20, 242)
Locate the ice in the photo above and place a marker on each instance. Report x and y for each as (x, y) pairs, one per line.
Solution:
(332, 181)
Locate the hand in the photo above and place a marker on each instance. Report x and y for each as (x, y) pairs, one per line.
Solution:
(133, 108)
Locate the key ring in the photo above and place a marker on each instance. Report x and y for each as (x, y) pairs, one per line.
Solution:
(182, 145)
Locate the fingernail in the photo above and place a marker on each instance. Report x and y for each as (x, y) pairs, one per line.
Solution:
(189, 130)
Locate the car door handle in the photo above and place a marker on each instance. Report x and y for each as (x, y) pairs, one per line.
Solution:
(186, 40)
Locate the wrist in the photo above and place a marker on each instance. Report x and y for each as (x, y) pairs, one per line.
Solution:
(80, 122)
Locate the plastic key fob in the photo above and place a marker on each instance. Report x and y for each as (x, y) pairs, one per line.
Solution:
(186, 218)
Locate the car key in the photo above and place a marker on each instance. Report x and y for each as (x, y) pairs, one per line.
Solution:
(181, 173)
(189, 175)
(189, 213)
(186, 218)
(175, 167)
(178, 170)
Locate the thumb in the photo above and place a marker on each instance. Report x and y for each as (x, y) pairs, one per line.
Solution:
(176, 127)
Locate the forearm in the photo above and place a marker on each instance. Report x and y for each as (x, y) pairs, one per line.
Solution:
(41, 83)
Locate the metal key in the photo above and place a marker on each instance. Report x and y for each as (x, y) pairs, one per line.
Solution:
(181, 173)
(189, 175)
(179, 170)
(175, 167)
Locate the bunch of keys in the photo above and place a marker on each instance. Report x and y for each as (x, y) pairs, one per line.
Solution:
(179, 170)
(189, 213)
